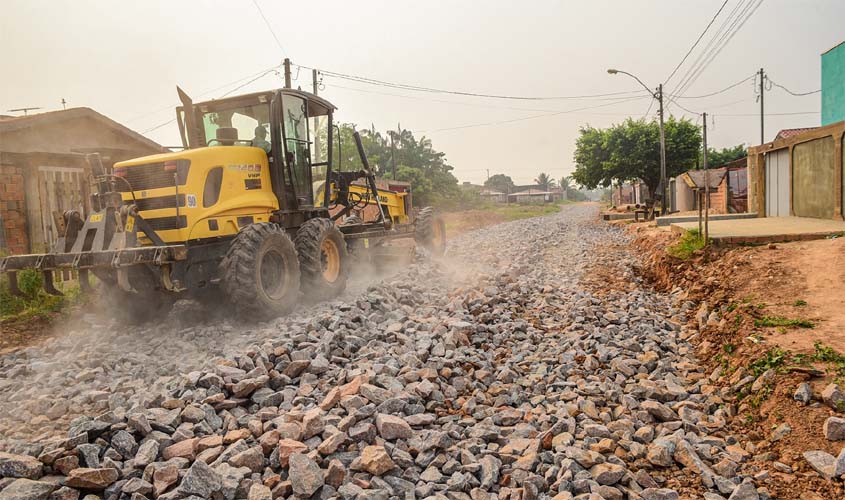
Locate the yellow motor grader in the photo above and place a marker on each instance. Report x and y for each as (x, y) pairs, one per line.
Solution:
(251, 210)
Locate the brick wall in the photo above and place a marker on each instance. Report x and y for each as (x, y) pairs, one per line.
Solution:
(13, 210)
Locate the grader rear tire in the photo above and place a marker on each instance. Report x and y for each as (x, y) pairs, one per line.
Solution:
(430, 231)
(323, 259)
(261, 272)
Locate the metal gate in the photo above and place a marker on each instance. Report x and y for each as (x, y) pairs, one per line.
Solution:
(777, 183)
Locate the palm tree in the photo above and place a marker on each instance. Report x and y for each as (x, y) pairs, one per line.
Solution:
(565, 183)
(544, 181)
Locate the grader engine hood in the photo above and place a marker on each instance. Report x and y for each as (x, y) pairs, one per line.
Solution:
(199, 193)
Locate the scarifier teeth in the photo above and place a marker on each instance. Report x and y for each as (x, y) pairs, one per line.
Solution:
(49, 287)
(13, 284)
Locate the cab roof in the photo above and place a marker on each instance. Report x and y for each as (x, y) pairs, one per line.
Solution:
(308, 96)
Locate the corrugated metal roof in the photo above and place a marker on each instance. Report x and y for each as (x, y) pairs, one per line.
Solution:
(695, 178)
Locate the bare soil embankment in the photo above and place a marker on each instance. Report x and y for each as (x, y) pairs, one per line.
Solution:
(770, 312)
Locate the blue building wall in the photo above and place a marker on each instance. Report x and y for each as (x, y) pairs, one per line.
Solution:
(833, 85)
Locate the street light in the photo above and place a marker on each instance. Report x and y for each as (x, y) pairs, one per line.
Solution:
(659, 96)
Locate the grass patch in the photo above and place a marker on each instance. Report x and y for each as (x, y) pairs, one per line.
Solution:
(689, 243)
(516, 211)
(773, 359)
(780, 321)
(36, 303)
(799, 303)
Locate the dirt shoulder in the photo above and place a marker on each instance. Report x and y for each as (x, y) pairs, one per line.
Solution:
(768, 319)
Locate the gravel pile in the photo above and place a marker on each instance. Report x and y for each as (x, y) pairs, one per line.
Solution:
(493, 374)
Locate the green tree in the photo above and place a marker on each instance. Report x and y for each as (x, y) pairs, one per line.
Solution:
(417, 162)
(631, 150)
(500, 182)
(720, 157)
(544, 182)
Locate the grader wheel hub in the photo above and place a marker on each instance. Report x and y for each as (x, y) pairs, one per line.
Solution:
(272, 270)
(330, 260)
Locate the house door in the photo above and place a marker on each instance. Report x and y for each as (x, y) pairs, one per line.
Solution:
(777, 183)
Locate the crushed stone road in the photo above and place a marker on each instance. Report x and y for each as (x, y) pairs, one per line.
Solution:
(495, 373)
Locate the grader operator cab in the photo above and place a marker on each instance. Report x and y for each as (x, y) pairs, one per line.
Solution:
(250, 210)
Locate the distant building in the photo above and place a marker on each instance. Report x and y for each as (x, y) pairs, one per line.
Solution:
(43, 171)
(536, 195)
(493, 196)
(728, 189)
(630, 193)
(833, 85)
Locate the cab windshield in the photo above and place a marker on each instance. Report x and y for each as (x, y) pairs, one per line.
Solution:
(252, 123)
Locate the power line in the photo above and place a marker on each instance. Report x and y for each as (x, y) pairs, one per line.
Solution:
(269, 27)
(206, 92)
(274, 69)
(501, 122)
(417, 88)
(444, 101)
(797, 94)
(707, 48)
(262, 75)
(696, 42)
(718, 91)
(727, 37)
(774, 114)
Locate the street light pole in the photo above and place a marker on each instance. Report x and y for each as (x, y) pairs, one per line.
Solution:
(659, 96)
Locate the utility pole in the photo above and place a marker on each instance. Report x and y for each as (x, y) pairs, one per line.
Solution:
(762, 118)
(314, 84)
(706, 187)
(64, 103)
(663, 182)
(393, 153)
(287, 72)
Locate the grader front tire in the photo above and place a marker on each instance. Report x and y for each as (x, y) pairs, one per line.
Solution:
(261, 272)
(430, 231)
(323, 259)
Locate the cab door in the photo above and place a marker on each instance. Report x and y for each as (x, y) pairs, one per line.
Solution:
(296, 145)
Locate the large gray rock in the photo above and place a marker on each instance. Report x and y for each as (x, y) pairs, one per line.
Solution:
(745, 491)
(659, 494)
(305, 475)
(20, 466)
(833, 396)
(822, 462)
(834, 429)
(27, 489)
(200, 480)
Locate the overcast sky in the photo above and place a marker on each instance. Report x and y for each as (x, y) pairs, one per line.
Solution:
(124, 59)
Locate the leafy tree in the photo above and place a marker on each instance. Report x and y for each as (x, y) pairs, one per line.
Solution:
(631, 150)
(500, 182)
(544, 181)
(417, 162)
(720, 157)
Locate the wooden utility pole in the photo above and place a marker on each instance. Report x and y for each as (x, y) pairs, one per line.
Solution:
(762, 116)
(393, 153)
(663, 180)
(286, 63)
(706, 187)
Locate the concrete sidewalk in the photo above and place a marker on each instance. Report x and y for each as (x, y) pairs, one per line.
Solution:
(673, 219)
(767, 229)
